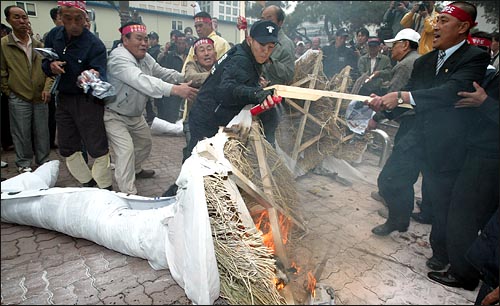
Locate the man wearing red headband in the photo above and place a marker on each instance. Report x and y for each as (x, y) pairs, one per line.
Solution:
(79, 116)
(136, 76)
(204, 28)
(440, 127)
(475, 194)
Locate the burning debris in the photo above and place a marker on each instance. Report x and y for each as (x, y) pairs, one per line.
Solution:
(321, 295)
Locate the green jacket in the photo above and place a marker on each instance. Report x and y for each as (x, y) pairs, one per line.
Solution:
(17, 76)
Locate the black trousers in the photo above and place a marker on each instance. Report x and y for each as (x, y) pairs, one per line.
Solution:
(80, 118)
(474, 200)
(439, 190)
(5, 123)
(400, 172)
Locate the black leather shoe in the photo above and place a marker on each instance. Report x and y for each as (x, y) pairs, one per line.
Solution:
(90, 183)
(435, 264)
(447, 279)
(387, 228)
(145, 174)
(421, 218)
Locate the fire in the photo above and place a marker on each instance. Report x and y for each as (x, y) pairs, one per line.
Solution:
(311, 284)
(262, 223)
(297, 268)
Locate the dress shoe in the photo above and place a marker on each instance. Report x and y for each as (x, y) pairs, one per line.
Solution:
(90, 183)
(435, 264)
(387, 228)
(447, 279)
(171, 191)
(145, 174)
(421, 218)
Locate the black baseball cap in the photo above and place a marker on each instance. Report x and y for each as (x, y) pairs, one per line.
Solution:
(153, 35)
(342, 32)
(264, 31)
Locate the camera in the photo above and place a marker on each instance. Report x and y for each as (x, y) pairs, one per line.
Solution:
(422, 6)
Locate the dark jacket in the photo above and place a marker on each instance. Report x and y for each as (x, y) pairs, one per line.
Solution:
(154, 51)
(335, 59)
(173, 60)
(484, 134)
(80, 53)
(441, 128)
(231, 85)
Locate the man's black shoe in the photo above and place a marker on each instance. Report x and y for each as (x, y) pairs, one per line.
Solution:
(435, 264)
(421, 218)
(90, 183)
(145, 174)
(171, 191)
(449, 280)
(387, 228)
(377, 197)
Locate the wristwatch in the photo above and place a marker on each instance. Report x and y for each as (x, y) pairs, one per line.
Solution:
(400, 98)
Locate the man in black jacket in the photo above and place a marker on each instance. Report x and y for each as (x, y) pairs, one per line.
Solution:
(233, 83)
(440, 127)
(169, 107)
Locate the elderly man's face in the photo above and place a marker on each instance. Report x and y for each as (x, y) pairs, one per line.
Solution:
(73, 20)
(270, 14)
(137, 44)
(19, 20)
(205, 55)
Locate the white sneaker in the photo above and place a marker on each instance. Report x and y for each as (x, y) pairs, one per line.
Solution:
(4, 164)
(24, 169)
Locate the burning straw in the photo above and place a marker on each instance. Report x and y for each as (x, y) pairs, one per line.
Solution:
(246, 265)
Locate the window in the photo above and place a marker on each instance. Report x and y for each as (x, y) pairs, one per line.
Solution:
(177, 25)
(221, 9)
(235, 11)
(29, 7)
(184, 3)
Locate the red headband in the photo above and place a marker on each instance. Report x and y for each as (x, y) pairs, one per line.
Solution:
(481, 42)
(133, 28)
(202, 19)
(78, 4)
(203, 41)
(458, 13)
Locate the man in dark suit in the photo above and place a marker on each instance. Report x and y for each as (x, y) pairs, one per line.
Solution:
(440, 127)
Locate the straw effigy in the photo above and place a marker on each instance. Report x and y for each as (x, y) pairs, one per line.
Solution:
(246, 266)
(332, 131)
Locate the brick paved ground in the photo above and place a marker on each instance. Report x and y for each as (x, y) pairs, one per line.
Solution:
(45, 267)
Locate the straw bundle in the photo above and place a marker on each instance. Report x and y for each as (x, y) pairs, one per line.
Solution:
(246, 266)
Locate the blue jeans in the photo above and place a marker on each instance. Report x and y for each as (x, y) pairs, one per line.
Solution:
(30, 130)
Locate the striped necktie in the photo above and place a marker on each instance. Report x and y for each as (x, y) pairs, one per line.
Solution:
(440, 60)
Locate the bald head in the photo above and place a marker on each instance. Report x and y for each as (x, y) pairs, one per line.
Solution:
(273, 13)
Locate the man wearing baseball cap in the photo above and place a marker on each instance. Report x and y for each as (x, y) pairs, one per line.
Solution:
(233, 83)
(337, 55)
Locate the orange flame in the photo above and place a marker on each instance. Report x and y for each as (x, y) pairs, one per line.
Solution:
(297, 268)
(311, 283)
(262, 223)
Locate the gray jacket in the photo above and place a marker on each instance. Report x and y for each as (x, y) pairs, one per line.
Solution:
(282, 68)
(137, 80)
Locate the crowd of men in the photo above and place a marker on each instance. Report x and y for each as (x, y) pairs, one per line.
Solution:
(446, 78)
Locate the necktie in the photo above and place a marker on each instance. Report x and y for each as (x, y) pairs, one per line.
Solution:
(440, 60)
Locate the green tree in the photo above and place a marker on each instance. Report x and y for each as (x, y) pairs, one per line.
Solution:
(491, 10)
(335, 14)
